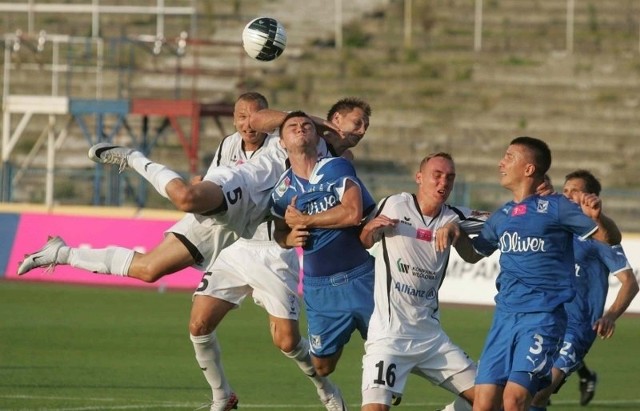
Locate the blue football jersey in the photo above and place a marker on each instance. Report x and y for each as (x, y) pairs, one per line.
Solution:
(535, 239)
(594, 261)
(324, 190)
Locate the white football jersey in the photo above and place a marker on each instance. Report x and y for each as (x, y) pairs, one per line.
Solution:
(248, 186)
(231, 152)
(409, 271)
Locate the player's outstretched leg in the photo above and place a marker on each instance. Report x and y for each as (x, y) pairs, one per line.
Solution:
(47, 256)
(109, 260)
(156, 174)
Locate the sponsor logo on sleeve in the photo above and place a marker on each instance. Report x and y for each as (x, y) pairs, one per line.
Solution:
(520, 209)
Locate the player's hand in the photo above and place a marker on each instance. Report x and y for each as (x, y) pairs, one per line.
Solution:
(327, 128)
(298, 236)
(545, 188)
(379, 224)
(292, 216)
(591, 205)
(605, 327)
(446, 236)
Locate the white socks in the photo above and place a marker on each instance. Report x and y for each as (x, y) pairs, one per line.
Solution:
(207, 352)
(460, 404)
(110, 260)
(156, 174)
(300, 355)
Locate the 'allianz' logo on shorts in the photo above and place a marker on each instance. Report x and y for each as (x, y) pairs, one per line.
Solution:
(513, 243)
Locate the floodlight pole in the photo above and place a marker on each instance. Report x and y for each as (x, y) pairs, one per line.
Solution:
(477, 39)
(338, 23)
(407, 24)
(570, 20)
(160, 19)
(95, 18)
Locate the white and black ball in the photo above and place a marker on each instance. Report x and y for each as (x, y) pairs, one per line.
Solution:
(264, 38)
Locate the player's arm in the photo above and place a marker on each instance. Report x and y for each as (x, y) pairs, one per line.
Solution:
(614, 236)
(288, 237)
(267, 120)
(605, 326)
(545, 188)
(202, 198)
(451, 235)
(372, 231)
(347, 213)
(608, 231)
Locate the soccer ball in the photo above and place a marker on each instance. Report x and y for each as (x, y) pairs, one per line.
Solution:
(264, 39)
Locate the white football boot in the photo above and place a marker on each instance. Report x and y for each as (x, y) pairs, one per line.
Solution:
(107, 153)
(44, 257)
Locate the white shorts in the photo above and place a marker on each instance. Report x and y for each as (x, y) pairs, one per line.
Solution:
(259, 267)
(388, 362)
(204, 237)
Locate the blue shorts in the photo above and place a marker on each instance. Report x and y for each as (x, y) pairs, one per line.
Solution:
(336, 306)
(521, 348)
(574, 348)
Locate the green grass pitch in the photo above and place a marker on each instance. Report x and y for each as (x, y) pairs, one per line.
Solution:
(65, 347)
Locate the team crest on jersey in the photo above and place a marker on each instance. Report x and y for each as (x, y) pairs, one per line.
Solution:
(520, 209)
(286, 182)
(543, 206)
(315, 341)
(424, 234)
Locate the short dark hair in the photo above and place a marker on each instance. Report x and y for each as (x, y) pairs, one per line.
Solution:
(347, 104)
(591, 183)
(541, 153)
(255, 97)
(297, 113)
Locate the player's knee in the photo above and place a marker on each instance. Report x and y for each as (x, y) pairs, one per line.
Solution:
(324, 369)
(143, 270)
(286, 343)
(484, 404)
(284, 334)
(513, 402)
(198, 326)
(147, 274)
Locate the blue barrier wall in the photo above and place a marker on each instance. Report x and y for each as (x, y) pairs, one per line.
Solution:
(8, 229)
